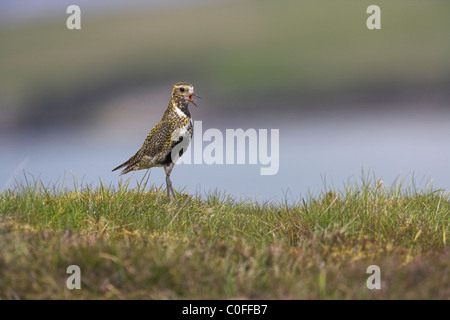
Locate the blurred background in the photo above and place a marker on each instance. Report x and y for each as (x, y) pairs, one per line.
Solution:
(77, 103)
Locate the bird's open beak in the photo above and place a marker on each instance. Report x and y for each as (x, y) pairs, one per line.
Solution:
(191, 98)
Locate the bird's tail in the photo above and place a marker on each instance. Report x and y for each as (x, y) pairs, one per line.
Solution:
(130, 165)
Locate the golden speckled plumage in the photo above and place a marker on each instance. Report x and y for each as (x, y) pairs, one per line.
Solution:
(175, 127)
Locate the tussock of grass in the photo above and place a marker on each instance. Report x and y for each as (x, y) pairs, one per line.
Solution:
(131, 243)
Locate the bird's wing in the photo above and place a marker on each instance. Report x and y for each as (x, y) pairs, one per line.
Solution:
(154, 145)
(158, 140)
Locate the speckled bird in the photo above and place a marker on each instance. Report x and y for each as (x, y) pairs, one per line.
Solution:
(167, 141)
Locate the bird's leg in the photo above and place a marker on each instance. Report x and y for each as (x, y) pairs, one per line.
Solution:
(168, 170)
(168, 182)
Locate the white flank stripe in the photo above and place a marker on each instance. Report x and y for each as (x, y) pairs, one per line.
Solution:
(179, 132)
(180, 113)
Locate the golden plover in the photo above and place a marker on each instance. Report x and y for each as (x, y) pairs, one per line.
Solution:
(167, 141)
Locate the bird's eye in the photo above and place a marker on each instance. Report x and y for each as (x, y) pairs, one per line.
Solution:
(181, 89)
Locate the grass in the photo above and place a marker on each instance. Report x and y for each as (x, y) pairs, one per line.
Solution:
(130, 243)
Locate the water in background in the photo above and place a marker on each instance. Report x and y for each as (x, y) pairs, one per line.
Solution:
(315, 153)
(238, 48)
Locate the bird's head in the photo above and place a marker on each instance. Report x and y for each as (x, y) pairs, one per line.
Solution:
(184, 93)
